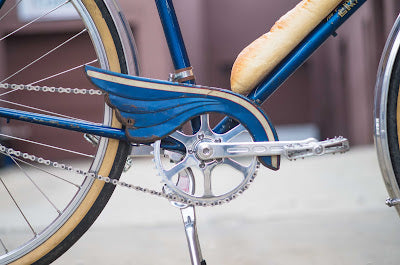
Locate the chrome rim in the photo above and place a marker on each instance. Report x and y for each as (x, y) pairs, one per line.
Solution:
(380, 117)
(44, 233)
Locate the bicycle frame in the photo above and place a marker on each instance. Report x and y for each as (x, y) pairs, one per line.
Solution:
(180, 60)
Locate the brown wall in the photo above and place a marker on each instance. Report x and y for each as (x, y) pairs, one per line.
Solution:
(334, 89)
(344, 73)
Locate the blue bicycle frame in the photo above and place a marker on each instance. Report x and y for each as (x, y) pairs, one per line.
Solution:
(180, 60)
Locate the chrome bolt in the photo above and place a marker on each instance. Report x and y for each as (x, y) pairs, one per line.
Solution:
(206, 151)
(318, 150)
(392, 202)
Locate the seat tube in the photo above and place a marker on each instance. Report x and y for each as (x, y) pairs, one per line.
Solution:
(176, 45)
(173, 34)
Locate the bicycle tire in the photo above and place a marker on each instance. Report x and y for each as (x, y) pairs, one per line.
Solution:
(393, 118)
(387, 115)
(119, 52)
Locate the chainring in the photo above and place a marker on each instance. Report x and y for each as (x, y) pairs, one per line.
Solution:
(212, 182)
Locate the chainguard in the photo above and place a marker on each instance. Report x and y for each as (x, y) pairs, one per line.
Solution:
(292, 150)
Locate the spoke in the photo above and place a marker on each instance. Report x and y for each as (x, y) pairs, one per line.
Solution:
(34, 20)
(11, 9)
(185, 163)
(45, 171)
(41, 57)
(181, 137)
(236, 165)
(3, 245)
(46, 145)
(34, 183)
(232, 133)
(63, 72)
(19, 209)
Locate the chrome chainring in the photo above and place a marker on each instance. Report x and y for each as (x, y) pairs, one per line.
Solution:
(215, 181)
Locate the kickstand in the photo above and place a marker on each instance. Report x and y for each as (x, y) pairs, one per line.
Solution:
(186, 183)
(189, 221)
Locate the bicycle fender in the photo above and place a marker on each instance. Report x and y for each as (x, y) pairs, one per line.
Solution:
(152, 109)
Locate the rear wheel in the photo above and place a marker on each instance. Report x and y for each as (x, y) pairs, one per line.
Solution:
(47, 209)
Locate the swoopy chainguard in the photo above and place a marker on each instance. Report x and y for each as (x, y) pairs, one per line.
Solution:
(152, 109)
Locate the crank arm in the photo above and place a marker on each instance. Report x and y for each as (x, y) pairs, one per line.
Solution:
(290, 149)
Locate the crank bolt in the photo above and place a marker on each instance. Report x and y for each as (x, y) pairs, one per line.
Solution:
(206, 151)
(201, 136)
(202, 165)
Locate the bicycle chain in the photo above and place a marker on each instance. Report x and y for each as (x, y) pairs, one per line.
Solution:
(171, 197)
(82, 91)
(13, 153)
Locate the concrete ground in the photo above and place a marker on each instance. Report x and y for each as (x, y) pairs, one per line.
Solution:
(327, 210)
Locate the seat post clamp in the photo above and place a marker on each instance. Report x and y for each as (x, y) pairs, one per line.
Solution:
(182, 75)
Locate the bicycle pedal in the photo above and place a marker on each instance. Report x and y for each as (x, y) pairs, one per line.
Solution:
(317, 148)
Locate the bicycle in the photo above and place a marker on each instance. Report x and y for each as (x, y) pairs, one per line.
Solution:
(173, 127)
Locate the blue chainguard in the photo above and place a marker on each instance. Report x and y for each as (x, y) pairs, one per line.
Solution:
(152, 109)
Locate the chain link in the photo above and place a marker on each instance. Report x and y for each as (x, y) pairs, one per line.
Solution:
(76, 91)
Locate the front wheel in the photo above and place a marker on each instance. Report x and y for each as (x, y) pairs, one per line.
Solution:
(45, 210)
(387, 114)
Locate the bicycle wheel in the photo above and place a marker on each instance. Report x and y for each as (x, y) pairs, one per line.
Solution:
(45, 210)
(387, 114)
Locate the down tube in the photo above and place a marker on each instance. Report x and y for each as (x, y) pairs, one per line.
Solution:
(298, 56)
(304, 50)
